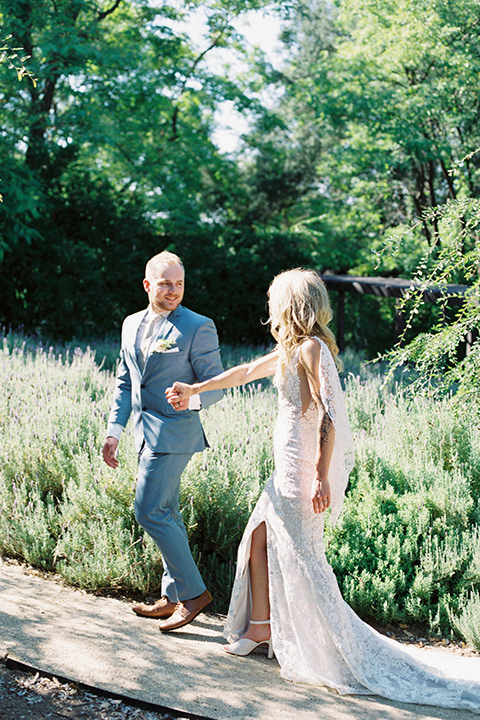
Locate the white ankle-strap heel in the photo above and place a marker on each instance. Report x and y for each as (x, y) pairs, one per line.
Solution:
(245, 646)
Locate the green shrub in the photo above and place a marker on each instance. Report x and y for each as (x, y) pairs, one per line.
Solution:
(468, 621)
(407, 546)
(406, 549)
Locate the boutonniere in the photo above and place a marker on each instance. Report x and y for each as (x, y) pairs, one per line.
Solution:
(163, 344)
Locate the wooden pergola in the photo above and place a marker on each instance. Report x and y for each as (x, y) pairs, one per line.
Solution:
(383, 288)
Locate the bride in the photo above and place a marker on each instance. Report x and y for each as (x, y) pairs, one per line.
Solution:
(285, 594)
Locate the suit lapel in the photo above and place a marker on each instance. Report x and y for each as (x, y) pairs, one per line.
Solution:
(132, 336)
(170, 322)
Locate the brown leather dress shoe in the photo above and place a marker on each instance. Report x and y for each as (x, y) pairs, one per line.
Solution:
(186, 611)
(163, 608)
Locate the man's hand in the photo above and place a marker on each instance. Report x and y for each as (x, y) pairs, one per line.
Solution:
(321, 495)
(180, 404)
(178, 395)
(109, 452)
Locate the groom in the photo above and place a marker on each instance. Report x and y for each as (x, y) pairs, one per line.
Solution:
(164, 343)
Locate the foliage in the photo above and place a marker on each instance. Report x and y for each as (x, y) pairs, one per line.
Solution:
(110, 156)
(109, 159)
(377, 103)
(384, 96)
(14, 61)
(58, 288)
(443, 360)
(406, 548)
(468, 623)
(232, 286)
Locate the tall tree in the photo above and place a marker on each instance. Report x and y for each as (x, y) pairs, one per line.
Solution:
(123, 105)
(378, 104)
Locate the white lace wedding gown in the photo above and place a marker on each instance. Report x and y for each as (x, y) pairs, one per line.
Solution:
(317, 638)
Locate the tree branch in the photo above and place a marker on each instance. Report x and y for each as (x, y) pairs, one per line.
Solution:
(467, 163)
(448, 179)
(433, 198)
(420, 201)
(189, 74)
(101, 16)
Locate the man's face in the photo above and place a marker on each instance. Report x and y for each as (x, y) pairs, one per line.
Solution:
(165, 287)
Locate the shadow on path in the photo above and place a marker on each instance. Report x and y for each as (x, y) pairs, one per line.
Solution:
(100, 642)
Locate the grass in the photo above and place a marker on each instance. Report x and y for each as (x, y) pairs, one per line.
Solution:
(407, 548)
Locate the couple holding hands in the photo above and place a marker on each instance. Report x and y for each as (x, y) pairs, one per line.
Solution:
(285, 595)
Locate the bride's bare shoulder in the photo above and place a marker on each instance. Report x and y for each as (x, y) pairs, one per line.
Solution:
(310, 351)
(311, 344)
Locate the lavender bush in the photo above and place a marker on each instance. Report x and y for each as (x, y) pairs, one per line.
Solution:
(406, 549)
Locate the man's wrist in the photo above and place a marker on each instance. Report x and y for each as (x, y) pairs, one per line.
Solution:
(115, 430)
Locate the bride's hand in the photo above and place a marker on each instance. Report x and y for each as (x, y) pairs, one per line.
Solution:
(178, 393)
(321, 496)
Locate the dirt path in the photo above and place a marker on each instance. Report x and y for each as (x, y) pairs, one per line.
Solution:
(28, 696)
(100, 642)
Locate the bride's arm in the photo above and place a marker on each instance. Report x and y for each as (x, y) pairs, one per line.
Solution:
(238, 375)
(310, 361)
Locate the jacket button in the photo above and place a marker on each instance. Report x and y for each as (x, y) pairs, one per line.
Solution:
(142, 385)
(144, 407)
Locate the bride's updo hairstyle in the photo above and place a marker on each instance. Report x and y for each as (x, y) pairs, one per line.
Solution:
(299, 308)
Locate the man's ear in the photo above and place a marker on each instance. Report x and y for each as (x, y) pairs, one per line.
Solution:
(146, 285)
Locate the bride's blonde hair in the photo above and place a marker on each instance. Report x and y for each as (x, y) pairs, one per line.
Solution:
(299, 308)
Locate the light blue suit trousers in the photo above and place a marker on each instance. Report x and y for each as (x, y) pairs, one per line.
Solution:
(157, 510)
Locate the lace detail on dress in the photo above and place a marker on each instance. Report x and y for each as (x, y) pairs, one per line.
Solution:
(343, 458)
(327, 643)
(292, 424)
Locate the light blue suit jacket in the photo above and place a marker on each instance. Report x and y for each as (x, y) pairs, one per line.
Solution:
(195, 356)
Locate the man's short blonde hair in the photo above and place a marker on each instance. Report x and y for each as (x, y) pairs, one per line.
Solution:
(163, 258)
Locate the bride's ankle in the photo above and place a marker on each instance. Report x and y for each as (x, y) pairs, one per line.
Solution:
(258, 631)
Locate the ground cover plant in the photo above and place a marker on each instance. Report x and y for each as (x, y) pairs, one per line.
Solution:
(407, 548)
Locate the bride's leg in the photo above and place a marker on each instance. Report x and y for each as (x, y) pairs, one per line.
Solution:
(258, 633)
(259, 582)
